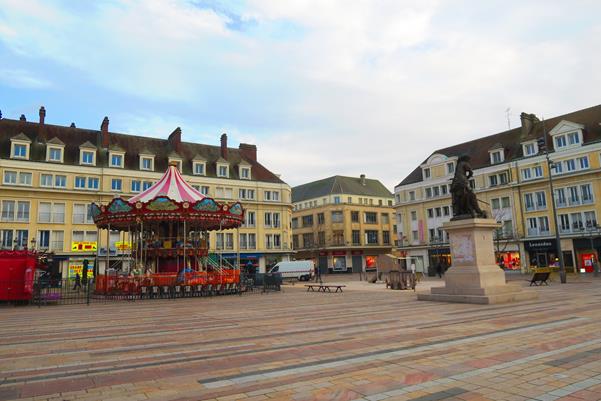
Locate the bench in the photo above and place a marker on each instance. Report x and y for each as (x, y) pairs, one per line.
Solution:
(324, 287)
(540, 278)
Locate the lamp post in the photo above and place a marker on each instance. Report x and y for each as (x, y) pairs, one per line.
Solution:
(542, 145)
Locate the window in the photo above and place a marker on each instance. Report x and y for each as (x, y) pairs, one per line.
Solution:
(573, 138)
(80, 182)
(430, 213)
(243, 241)
(8, 210)
(413, 215)
(526, 174)
(560, 141)
(583, 162)
(428, 192)
(493, 180)
(222, 171)
(529, 202)
(350, 200)
(560, 197)
(21, 238)
(93, 183)
(538, 171)
(438, 212)
(23, 211)
(146, 163)
(55, 154)
(337, 200)
(44, 239)
(541, 200)
(244, 193)
(272, 241)
(371, 237)
(229, 240)
(446, 210)
(386, 237)
(19, 151)
(589, 219)
(543, 224)
(272, 219)
(116, 160)
(371, 218)
(558, 167)
(294, 222)
(60, 181)
(44, 212)
(503, 178)
(307, 220)
(87, 157)
(58, 213)
(337, 216)
(354, 217)
(385, 218)
(496, 157)
(79, 214)
(245, 173)
(136, 185)
(249, 219)
(356, 237)
(450, 168)
(436, 191)
(495, 203)
(570, 165)
(414, 235)
(146, 185)
(443, 190)
(426, 173)
(505, 203)
(6, 239)
(587, 193)
(252, 241)
(271, 196)
(529, 149)
(116, 184)
(219, 241)
(25, 179)
(321, 218)
(411, 195)
(10, 177)
(574, 196)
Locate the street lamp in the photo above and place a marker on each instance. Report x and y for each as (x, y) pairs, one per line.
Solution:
(542, 145)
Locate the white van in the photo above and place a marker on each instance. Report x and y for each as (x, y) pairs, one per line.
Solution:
(301, 269)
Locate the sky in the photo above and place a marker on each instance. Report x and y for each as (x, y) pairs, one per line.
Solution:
(322, 87)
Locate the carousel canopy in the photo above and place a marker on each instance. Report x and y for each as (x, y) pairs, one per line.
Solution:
(171, 199)
(173, 186)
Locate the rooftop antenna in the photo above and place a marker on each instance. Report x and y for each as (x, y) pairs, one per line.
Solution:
(508, 115)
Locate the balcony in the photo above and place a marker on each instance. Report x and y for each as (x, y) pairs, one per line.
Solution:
(535, 232)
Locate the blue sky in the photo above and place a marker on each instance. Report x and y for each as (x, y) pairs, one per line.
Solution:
(321, 87)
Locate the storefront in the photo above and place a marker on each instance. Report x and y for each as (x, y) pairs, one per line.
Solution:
(586, 255)
(339, 264)
(543, 253)
(439, 257)
(508, 257)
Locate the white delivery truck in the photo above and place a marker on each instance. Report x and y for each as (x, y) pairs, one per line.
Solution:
(303, 270)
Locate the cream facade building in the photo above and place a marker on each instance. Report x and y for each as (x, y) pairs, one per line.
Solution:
(343, 223)
(511, 178)
(50, 174)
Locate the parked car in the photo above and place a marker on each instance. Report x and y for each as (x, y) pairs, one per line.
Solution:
(303, 270)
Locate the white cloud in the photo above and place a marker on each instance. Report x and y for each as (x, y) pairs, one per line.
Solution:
(19, 78)
(325, 88)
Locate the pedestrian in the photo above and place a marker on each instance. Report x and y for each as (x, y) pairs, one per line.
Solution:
(439, 269)
(77, 282)
(412, 267)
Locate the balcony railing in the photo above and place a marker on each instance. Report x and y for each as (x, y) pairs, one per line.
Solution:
(535, 232)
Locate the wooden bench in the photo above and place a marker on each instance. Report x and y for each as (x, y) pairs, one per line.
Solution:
(540, 278)
(324, 287)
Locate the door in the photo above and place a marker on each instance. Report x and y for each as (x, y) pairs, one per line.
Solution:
(323, 264)
(357, 264)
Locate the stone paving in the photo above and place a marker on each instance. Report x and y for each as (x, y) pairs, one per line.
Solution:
(294, 345)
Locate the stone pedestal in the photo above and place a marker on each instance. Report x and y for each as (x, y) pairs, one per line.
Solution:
(474, 276)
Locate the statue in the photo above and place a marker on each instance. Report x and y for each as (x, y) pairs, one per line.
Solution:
(464, 201)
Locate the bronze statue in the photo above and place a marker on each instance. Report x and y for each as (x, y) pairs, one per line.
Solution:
(464, 201)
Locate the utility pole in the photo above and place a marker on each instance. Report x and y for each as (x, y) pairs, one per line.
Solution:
(543, 142)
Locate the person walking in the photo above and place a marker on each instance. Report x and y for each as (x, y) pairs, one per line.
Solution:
(439, 270)
(77, 285)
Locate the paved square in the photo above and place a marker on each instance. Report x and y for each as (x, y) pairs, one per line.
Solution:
(367, 345)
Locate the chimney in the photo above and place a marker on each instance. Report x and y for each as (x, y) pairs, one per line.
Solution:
(72, 125)
(22, 118)
(175, 140)
(42, 114)
(362, 176)
(224, 146)
(528, 122)
(248, 151)
(104, 131)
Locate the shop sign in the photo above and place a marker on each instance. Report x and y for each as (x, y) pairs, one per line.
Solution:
(77, 268)
(323, 253)
(541, 245)
(123, 245)
(79, 246)
(339, 253)
(356, 252)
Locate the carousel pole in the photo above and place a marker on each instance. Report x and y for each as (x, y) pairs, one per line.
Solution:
(108, 246)
(97, 252)
(185, 240)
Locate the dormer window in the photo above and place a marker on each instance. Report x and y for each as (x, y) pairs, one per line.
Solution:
(147, 163)
(87, 157)
(530, 149)
(426, 173)
(177, 162)
(496, 156)
(450, 168)
(567, 135)
(19, 151)
(55, 154)
(199, 168)
(116, 160)
(20, 147)
(87, 154)
(244, 170)
(223, 171)
(223, 168)
(55, 150)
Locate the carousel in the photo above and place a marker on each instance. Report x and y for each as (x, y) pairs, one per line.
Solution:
(165, 230)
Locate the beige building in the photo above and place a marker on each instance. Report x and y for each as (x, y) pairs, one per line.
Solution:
(511, 178)
(50, 174)
(343, 223)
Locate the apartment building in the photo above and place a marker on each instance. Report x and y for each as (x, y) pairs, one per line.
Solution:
(511, 178)
(343, 223)
(50, 174)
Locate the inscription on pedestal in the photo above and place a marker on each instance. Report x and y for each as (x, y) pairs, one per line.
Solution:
(462, 246)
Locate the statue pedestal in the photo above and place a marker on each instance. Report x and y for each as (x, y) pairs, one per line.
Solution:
(474, 276)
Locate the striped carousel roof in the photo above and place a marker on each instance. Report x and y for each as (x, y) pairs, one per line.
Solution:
(173, 186)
